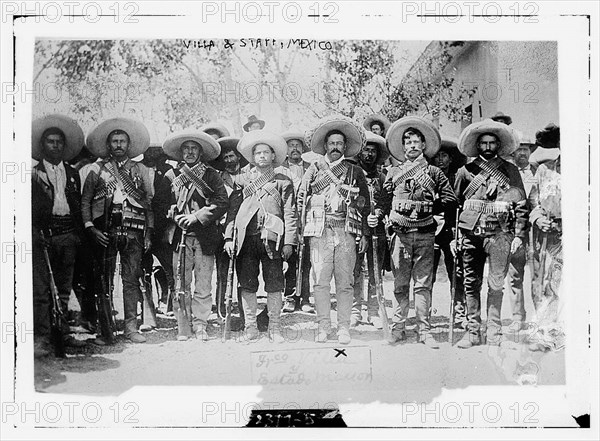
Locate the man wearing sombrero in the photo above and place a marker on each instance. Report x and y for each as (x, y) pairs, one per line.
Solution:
(412, 194)
(294, 167)
(116, 208)
(377, 124)
(56, 220)
(263, 222)
(374, 153)
(198, 199)
(546, 219)
(253, 123)
(337, 199)
(493, 221)
(215, 129)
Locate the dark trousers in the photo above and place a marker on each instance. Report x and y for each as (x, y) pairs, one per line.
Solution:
(62, 252)
(442, 245)
(83, 281)
(476, 250)
(516, 273)
(292, 274)
(164, 278)
(372, 304)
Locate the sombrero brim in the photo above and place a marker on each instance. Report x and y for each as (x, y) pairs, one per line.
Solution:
(356, 137)
(228, 143)
(210, 147)
(503, 119)
(217, 128)
(384, 153)
(249, 123)
(74, 138)
(396, 132)
(376, 117)
(540, 156)
(255, 137)
(138, 136)
(295, 134)
(467, 142)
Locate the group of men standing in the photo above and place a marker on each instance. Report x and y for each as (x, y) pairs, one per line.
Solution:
(255, 201)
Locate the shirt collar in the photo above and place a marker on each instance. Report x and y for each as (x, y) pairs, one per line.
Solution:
(50, 166)
(334, 163)
(419, 159)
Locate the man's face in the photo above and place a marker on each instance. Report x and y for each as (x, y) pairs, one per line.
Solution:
(413, 146)
(521, 156)
(254, 126)
(369, 154)
(335, 146)
(488, 146)
(377, 129)
(53, 147)
(119, 146)
(442, 160)
(294, 150)
(263, 155)
(231, 161)
(191, 152)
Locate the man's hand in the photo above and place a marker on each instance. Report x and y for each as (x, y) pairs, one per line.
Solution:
(98, 236)
(515, 245)
(543, 223)
(372, 220)
(41, 239)
(363, 245)
(286, 252)
(185, 221)
(148, 239)
(228, 247)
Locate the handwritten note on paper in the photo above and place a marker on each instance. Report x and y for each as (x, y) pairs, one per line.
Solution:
(295, 367)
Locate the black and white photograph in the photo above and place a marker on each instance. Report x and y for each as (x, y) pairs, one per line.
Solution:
(229, 215)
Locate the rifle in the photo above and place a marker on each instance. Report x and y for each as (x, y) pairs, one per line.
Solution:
(454, 277)
(106, 320)
(231, 285)
(377, 271)
(180, 289)
(148, 308)
(300, 259)
(56, 312)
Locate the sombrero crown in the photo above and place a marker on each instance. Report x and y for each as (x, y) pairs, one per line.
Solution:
(428, 130)
(356, 137)
(210, 147)
(72, 131)
(276, 142)
(215, 127)
(139, 138)
(467, 142)
(377, 118)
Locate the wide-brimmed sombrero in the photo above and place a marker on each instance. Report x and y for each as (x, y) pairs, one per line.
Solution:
(450, 146)
(396, 132)
(251, 120)
(139, 138)
(276, 142)
(296, 134)
(467, 142)
(215, 127)
(377, 117)
(543, 155)
(74, 138)
(502, 118)
(548, 137)
(228, 144)
(356, 137)
(210, 147)
(379, 141)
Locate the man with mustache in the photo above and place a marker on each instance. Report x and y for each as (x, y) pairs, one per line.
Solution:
(374, 153)
(121, 189)
(197, 200)
(337, 199)
(294, 167)
(493, 222)
(412, 194)
(56, 221)
(264, 219)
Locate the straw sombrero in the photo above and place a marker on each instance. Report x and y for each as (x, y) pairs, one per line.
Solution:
(215, 127)
(396, 132)
(296, 134)
(377, 117)
(384, 153)
(356, 137)
(138, 136)
(276, 142)
(228, 144)
(74, 138)
(210, 147)
(467, 142)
